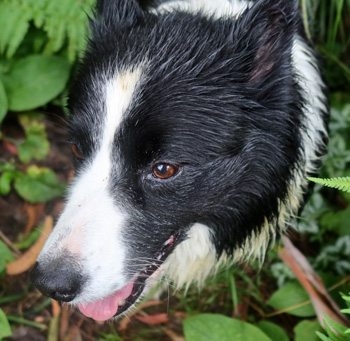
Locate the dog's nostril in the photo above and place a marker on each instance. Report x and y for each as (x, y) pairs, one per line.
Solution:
(60, 282)
(63, 296)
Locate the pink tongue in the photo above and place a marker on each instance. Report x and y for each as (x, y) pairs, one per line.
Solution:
(106, 308)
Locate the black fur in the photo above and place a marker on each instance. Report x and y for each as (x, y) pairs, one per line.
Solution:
(220, 100)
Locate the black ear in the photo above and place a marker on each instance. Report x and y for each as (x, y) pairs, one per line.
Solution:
(117, 12)
(267, 30)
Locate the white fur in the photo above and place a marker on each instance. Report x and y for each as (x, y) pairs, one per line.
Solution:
(193, 259)
(216, 8)
(91, 225)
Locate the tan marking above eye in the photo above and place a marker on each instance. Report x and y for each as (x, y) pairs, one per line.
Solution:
(76, 153)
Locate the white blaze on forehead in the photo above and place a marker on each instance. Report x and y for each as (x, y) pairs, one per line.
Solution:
(91, 225)
(119, 93)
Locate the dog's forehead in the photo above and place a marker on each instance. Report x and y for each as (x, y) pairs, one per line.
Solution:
(152, 90)
(100, 106)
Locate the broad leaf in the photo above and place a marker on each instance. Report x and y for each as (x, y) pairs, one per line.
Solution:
(36, 80)
(273, 331)
(306, 330)
(289, 296)
(38, 185)
(216, 327)
(5, 329)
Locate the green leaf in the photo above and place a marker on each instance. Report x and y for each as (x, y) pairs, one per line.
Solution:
(332, 325)
(337, 221)
(342, 183)
(29, 240)
(7, 167)
(345, 297)
(5, 256)
(36, 80)
(35, 146)
(323, 337)
(291, 295)
(3, 102)
(38, 185)
(5, 182)
(5, 329)
(273, 331)
(14, 26)
(306, 330)
(216, 327)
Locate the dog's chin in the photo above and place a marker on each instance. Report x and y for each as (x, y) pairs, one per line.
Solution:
(121, 301)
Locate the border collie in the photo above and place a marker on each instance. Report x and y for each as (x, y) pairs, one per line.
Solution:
(194, 125)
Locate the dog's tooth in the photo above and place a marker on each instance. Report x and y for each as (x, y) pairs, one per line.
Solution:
(121, 302)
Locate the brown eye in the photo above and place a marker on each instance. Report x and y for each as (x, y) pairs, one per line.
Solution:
(164, 170)
(76, 153)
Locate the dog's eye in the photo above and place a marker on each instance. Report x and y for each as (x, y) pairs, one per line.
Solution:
(76, 153)
(164, 170)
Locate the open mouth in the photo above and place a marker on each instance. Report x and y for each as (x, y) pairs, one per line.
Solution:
(121, 300)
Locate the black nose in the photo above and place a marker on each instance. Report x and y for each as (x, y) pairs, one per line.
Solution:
(56, 280)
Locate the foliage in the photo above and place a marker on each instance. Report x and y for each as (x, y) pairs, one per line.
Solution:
(335, 256)
(64, 23)
(325, 23)
(342, 184)
(32, 31)
(34, 81)
(273, 331)
(30, 77)
(35, 185)
(292, 295)
(3, 102)
(5, 256)
(5, 329)
(35, 145)
(336, 331)
(217, 327)
(306, 330)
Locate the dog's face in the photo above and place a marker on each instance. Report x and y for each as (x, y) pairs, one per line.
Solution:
(185, 132)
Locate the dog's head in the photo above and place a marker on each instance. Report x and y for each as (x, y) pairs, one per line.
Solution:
(185, 135)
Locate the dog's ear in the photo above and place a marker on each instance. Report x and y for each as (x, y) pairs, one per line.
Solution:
(266, 34)
(117, 12)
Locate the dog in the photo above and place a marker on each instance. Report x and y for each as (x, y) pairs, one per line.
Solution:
(194, 125)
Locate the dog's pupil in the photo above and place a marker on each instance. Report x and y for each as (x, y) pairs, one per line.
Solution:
(163, 169)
